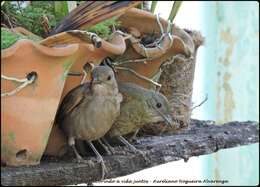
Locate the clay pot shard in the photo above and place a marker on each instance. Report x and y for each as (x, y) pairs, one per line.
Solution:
(27, 115)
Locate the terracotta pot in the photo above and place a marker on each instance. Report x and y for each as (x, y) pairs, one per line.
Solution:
(27, 116)
(145, 22)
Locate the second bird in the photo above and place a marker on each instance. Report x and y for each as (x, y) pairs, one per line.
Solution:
(140, 106)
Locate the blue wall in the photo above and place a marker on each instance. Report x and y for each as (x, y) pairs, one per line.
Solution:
(230, 68)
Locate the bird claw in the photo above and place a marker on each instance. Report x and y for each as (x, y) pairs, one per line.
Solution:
(104, 169)
(133, 139)
(110, 151)
(113, 151)
(81, 160)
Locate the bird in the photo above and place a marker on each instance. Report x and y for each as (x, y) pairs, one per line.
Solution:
(89, 110)
(140, 106)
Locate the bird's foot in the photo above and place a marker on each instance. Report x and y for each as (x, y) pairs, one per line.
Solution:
(113, 151)
(79, 159)
(133, 139)
(103, 167)
(109, 150)
(137, 151)
(123, 151)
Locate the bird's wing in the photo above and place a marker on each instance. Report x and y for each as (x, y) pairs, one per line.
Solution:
(72, 100)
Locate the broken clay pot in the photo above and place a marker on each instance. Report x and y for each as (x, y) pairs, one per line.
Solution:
(28, 107)
(141, 22)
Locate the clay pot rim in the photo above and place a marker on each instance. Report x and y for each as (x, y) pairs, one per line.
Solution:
(116, 46)
(141, 13)
(178, 35)
(60, 51)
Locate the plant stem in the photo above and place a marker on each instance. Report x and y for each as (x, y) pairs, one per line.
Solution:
(175, 7)
(154, 3)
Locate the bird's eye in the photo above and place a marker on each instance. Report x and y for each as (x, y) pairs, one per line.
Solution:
(109, 78)
(158, 105)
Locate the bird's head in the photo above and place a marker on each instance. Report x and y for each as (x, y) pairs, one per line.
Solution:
(155, 105)
(103, 80)
(159, 108)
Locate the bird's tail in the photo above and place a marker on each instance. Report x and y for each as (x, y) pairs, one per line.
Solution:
(92, 12)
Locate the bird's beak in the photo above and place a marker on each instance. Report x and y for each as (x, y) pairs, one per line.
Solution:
(168, 120)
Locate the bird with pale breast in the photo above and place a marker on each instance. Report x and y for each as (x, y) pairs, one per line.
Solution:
(140, 106)
(89, 110)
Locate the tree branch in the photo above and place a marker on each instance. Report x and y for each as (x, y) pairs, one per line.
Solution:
(200, 138)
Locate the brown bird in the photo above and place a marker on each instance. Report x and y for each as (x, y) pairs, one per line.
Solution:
(89, 110)
(140, 106)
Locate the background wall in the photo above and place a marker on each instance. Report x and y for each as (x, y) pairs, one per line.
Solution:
(231, 79)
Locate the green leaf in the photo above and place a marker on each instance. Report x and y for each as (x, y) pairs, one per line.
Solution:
(103, 29)
(8, 38)
(30, 16)
(175, 7)
(153, 6)
(61, 9)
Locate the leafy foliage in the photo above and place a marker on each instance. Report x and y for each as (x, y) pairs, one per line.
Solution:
(8, 38)
(103, 29)
(61, 9)
(30, 17)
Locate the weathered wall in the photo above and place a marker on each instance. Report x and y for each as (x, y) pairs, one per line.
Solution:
(231, 78)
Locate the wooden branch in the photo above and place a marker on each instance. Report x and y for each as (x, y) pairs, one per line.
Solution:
(200, 138)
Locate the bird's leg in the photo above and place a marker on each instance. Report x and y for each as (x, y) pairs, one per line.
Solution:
(111, 149)
(79, 158)
(71, 142)
(130, 146)
(99, 159)
(124, 141)
(105, 147)
(133, 138)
